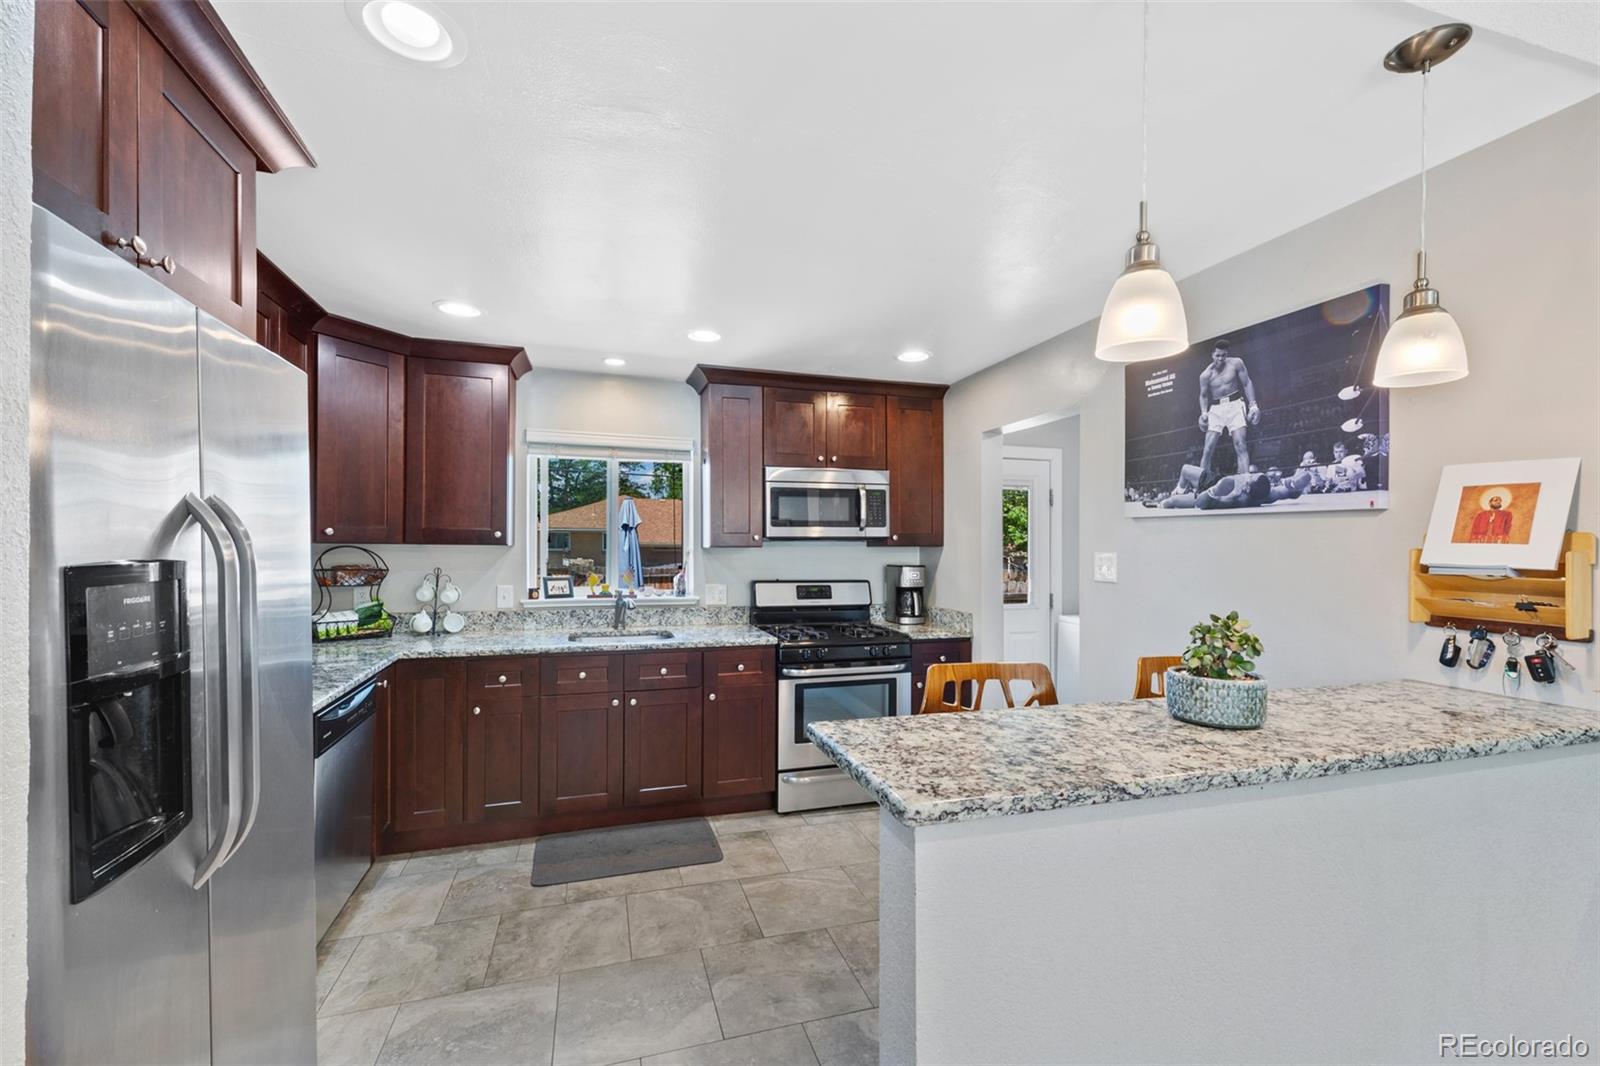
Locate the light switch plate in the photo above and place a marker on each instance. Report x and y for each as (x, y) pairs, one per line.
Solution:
(504, 596)
(1105, 566)
(716, 595)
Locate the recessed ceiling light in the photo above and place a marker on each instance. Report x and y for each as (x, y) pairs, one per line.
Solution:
(458, 308)
(415, 29)
(913, 355)
(704, 336)
(614, 361)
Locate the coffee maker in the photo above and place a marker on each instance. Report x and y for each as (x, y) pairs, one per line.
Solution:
(909, 605)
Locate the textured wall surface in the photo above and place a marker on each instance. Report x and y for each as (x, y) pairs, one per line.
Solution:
(1327, 591)
(16, 184)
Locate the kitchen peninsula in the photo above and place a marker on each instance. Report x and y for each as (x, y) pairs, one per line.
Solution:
(1378, 865)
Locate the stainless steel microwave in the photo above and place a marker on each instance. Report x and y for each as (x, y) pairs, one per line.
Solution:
(820, 502)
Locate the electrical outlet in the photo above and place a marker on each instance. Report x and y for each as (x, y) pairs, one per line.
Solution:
(1105, 566)
(504, 596)
(716, 595)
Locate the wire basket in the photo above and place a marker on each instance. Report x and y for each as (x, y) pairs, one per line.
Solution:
(358, 574)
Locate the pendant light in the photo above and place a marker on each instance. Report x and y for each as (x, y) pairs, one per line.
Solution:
(1143, 317)
(1424, 345)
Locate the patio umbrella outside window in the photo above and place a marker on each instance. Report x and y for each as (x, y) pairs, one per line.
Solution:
(630, 564)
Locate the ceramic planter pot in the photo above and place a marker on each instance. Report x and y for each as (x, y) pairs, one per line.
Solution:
(1220, 704)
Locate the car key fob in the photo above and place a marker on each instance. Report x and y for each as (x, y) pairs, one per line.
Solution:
(1540, 667)
(1450, 654)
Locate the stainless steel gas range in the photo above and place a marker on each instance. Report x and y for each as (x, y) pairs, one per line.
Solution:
(832, 663)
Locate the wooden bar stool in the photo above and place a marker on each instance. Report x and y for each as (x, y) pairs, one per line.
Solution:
(1150, 683)
(968, 681)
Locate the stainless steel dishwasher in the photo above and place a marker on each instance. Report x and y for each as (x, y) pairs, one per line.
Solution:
(343, 788)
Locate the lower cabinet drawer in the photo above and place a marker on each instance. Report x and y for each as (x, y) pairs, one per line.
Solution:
(739, 666)
(647, 670)
(570, 675)
(502, 678)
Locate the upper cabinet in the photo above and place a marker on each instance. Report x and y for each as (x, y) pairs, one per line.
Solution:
(755, 418)
(458, 452)
(916, 470)
(409, 446)
(149, 127)
(359, 456)
(813, 427)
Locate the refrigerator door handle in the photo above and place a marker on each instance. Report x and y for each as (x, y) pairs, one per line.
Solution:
(228, 668)
(248, 617)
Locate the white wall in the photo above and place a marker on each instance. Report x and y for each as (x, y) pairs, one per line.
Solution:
(1062, 434)
(599, 403)
(16, 227)
(1513, 247)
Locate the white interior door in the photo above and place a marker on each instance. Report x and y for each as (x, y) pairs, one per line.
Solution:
(1027, 586)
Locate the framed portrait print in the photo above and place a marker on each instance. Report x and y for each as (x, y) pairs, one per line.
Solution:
(1511, 514)
(558, 588)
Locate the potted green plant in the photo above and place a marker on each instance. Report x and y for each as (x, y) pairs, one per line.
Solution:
(1216, 685)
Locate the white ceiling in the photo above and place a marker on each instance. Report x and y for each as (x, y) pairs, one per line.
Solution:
(828, 184)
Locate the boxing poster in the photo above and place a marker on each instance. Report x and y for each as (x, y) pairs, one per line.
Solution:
(1273, 418)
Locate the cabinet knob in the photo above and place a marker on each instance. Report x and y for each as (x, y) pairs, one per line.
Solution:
(894, 536)
(919, 684)
(497, 534)
(135, 242)
(502, 679)
(741, 667)
(327, 531)
(663, 671)
(384, 683)
(477, 710)
(582, 674)
(165, 262)
(633, 703)
(834, 459)
(942, 659)
(755, 536)
(820, 459)
(712, 696)
(616, 703)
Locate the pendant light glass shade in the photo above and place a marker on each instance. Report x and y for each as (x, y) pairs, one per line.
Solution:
(1425, 348)
(1143, 317)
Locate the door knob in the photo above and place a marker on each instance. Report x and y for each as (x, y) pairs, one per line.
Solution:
(327, 531)
(477, 710)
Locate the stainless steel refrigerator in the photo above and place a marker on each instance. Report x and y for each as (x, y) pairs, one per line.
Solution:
(170, 891)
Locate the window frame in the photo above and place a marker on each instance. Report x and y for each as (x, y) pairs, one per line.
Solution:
(613, 449)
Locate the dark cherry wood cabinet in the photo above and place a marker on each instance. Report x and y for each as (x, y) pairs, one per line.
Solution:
(425, 738)
(85, 99)
(795, 427)
(924, 653)
(382, 763)
(739, 742)
(502, 757)
(857, 431)
(458, 452)
(197, 192)
(359, 402)
(805, 421)
(661, 747)
(916, 470)
(286, 315)
(731, 421)
(580, 753)
(149, 127)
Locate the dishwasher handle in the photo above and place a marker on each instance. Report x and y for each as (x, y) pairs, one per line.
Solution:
(336, 722)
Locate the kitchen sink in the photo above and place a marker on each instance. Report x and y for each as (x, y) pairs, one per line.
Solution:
(614, 636)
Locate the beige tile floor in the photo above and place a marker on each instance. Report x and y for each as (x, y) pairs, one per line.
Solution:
(769, 956)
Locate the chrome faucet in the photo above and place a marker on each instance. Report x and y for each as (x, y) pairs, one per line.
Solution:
(619, 611)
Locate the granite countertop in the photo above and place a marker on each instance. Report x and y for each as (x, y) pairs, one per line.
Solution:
(931, 631)
(929, 769)
(338, 667)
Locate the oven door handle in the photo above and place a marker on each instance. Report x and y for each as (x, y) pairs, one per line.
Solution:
(835, 672)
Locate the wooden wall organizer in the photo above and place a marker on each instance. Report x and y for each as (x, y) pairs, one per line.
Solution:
(1437, 599)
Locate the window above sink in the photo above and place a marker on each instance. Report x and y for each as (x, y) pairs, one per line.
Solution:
(607, 513)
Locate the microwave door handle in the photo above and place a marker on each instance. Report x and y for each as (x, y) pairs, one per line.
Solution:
(863, 512)
(228, 683)
(248, 614)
